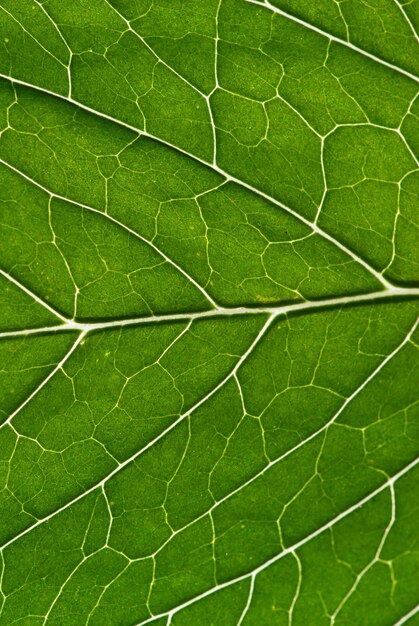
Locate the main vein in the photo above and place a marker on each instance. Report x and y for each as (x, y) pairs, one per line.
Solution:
(274, 310)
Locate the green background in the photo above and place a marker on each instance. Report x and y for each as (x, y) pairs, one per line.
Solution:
(208, 305)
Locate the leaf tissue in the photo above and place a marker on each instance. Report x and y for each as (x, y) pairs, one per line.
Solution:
(209, 270)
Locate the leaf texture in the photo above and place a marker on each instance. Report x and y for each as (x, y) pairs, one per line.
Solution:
(208, 313)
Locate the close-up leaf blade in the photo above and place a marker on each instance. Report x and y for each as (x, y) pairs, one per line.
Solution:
(208, 313)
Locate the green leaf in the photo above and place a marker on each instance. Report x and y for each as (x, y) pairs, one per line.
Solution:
(208, 306)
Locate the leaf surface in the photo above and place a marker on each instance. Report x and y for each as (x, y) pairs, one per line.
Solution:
(208, 310)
